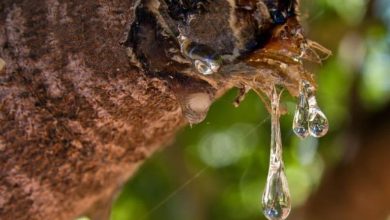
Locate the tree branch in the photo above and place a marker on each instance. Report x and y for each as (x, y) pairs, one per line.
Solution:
(77, 118)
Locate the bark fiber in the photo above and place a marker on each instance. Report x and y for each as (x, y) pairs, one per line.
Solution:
(76, 119)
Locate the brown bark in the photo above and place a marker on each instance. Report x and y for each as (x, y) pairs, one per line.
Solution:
(76, 118)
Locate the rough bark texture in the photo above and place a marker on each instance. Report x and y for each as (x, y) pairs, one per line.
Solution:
(76, 119)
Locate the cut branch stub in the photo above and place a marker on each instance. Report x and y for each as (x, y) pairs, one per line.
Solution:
(227, 44)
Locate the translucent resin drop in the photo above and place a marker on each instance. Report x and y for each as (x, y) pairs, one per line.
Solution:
(308, 118)
(206, 61)
(300, 122)
(195, 106)
(276, 197)
(318, 123)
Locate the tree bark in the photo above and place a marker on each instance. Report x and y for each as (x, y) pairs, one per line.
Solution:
(76, 118)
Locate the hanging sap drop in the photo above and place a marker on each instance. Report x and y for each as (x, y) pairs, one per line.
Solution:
(207, 67)
(300, 122)
(195, 106)
(206, 61)
(276, 197)
(318, 123)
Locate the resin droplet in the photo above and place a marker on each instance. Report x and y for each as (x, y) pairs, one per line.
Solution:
(195, 107)
(205, 59)
(308, 115)
(318, 123)
(276, 197)
(300, 123)
(207, 67)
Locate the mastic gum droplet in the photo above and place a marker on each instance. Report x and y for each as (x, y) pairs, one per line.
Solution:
(205, 68)
(206, 60)
(318, 123)
(300, 121)
(276, 197)
(195, 107)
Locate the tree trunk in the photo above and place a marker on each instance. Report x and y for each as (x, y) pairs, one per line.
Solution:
(76, 118)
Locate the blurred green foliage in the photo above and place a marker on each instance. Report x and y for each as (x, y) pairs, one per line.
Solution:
(217, 169)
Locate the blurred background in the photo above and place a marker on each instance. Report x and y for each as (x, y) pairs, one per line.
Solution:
(218, 169)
